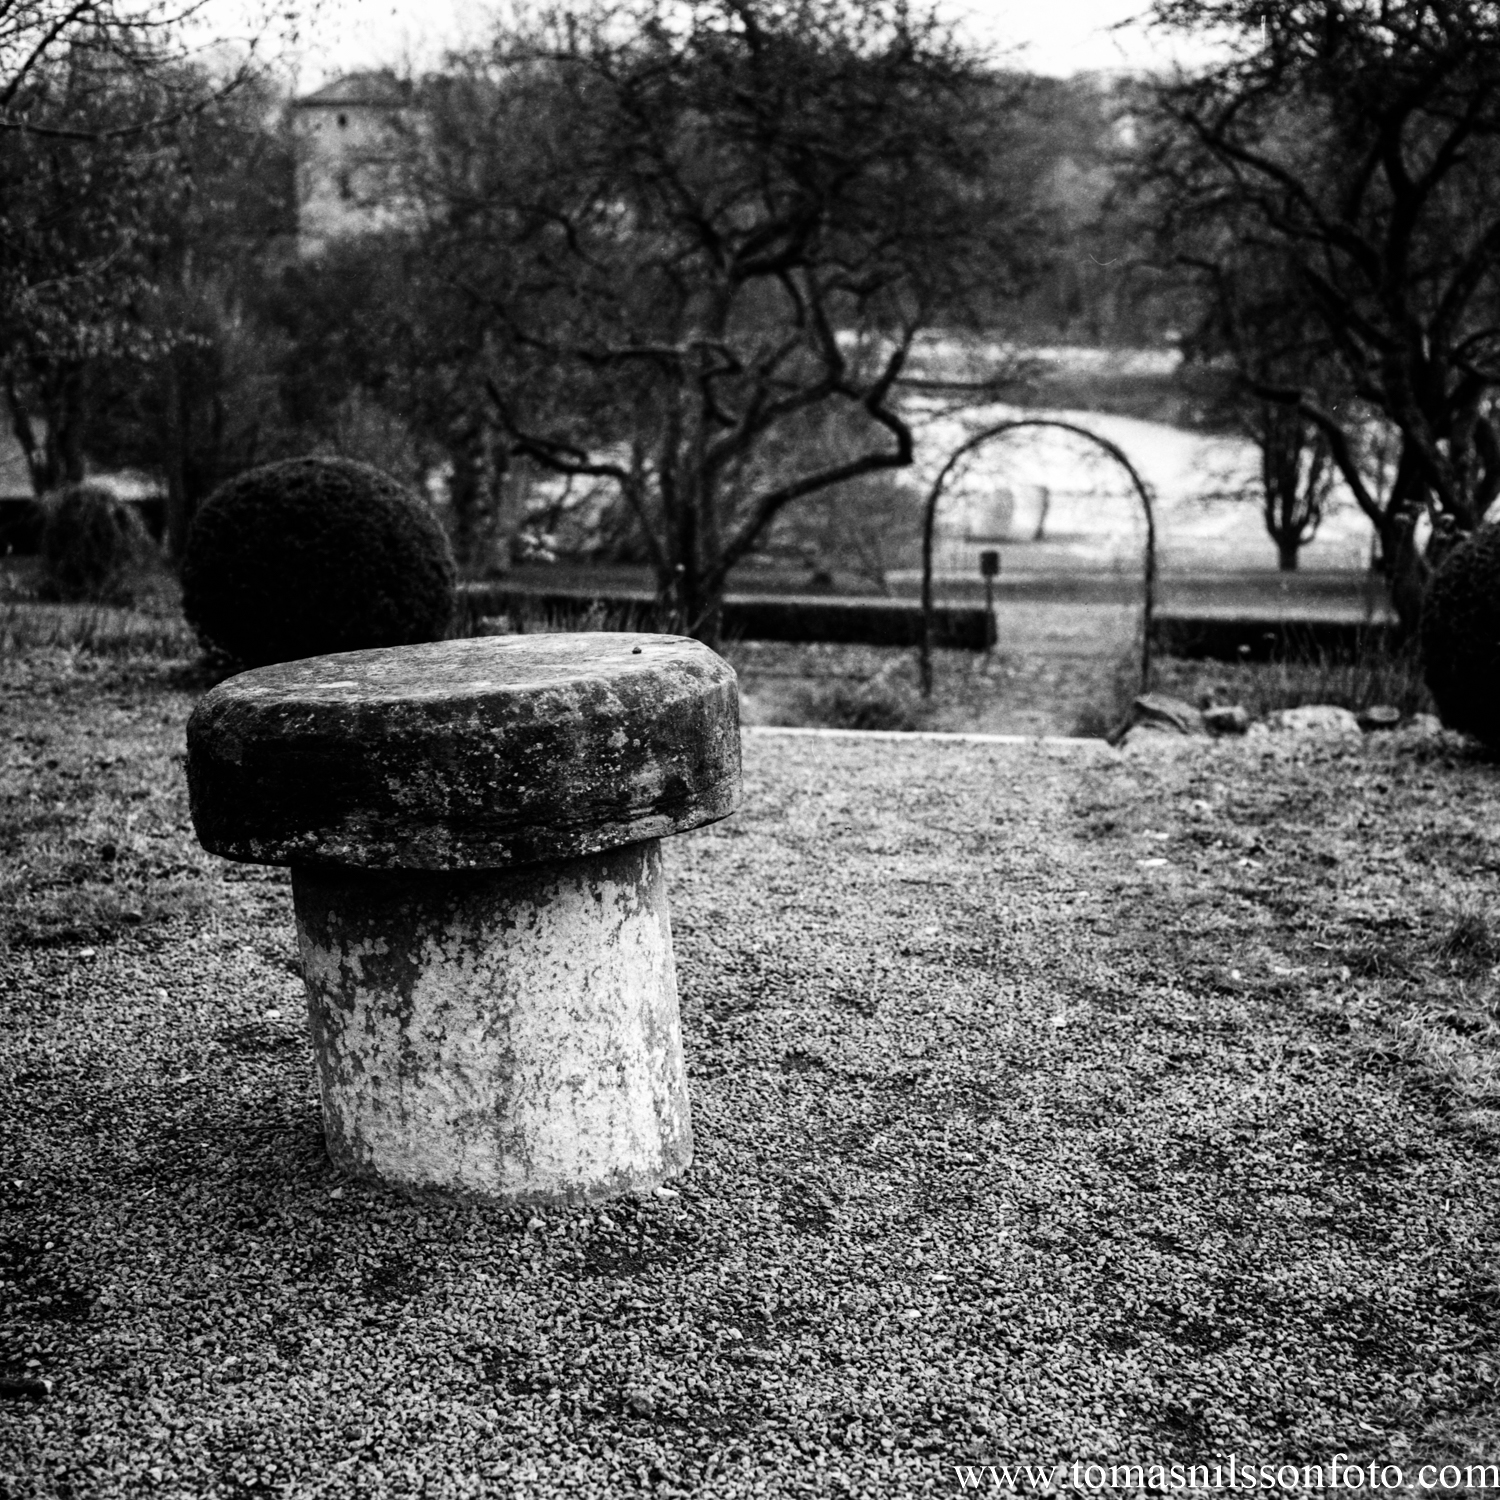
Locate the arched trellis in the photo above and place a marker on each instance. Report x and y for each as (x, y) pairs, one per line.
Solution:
(929, 516)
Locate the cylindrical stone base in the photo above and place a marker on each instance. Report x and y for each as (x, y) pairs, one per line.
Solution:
(512, 1033)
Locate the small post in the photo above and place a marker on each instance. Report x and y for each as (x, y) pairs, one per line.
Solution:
(989, 570)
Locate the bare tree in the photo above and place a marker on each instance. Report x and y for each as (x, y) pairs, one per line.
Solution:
(109, 243)
(81, 210)
(1296, 477)
(1253, 332)
(130, 174)
(370, 315)
(687, 229)
(140, 49)
(1353, 146)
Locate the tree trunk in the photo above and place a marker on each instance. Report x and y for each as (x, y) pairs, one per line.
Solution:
(469, 491)
(696, 591)
(61, 452)
(1406, 570)
(1040, 534)
(25, 435)
(710, 628)
(689, 580)
(175, 462)
(503, 504)
(1287, 548)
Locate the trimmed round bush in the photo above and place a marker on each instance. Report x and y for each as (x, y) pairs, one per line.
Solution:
(95, 548)
(1461, 636)
(314, 555)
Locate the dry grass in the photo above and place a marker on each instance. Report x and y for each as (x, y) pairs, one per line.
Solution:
(94, 630)
(1060, 670)
(94, 807)
(889, 698)
(150, 629)
(1451, 1030)
(537, 618)
(1370, 676)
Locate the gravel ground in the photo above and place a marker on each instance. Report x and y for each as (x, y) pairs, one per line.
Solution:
(1052, 1105)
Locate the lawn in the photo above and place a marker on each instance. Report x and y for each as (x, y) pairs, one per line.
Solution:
(1053, 1105)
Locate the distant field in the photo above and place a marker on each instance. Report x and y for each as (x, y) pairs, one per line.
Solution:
(1093, 518)
(1056, 506)
(1133, 398)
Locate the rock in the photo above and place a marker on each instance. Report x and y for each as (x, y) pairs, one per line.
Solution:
(1156, 738)
(1226, 719)
(1316, 718)
(1423, 726)
(1379, 716)
(27, 1387)
(1171, 714)
(476, 754)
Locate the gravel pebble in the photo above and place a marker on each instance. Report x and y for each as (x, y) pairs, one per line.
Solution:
(1014, 1143)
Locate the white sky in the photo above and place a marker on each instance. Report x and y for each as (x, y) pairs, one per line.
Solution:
(1049, 36)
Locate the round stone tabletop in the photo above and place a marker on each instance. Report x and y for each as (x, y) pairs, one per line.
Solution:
(471, 754)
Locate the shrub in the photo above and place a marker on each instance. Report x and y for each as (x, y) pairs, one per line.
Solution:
(1461, 636)
(1372, 670)
(313, 555)
(880, 702)
(95, 548)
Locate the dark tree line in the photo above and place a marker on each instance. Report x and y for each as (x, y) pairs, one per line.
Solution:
(682, 253)
(1330, 189)
(683, 250)
(139, 193)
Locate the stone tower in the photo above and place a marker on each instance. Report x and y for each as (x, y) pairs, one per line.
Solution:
(348, 138)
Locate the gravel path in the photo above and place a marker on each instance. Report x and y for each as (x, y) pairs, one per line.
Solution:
(1047, 1105)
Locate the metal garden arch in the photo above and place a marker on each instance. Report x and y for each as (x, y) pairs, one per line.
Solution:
(929, 516)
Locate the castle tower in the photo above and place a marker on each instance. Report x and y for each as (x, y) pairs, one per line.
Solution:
(348, 139)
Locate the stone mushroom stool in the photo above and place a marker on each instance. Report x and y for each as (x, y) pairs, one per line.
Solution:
(473, 829)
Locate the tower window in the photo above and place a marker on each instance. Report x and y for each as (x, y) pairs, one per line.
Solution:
(343, 121)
